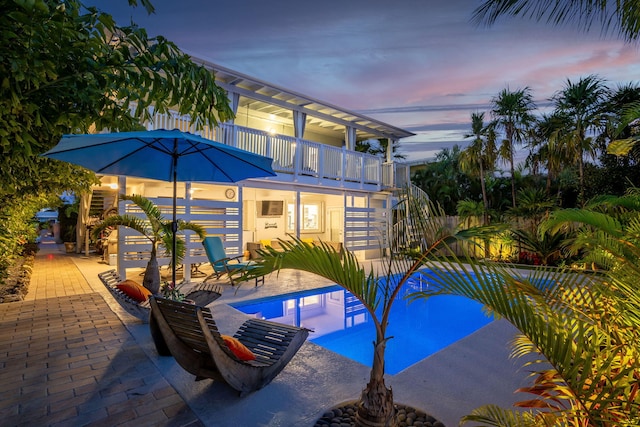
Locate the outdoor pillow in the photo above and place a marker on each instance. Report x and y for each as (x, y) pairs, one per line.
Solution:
(237, 348)
(134, 290)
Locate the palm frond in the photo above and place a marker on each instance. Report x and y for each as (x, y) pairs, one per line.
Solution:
(130, 221)
(340, 267)
(491, 415)
(561, 218)
(147, 206)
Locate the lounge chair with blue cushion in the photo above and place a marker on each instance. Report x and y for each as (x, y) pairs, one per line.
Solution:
(223, 264)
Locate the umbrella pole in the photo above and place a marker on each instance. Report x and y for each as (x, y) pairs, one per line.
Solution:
(174, 224)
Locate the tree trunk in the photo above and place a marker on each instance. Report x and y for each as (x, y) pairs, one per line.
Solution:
(581, 178)
(375, 408)
(513, 181)
(151, 278)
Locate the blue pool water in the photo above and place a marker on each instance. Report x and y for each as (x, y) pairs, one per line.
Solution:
(341, 324)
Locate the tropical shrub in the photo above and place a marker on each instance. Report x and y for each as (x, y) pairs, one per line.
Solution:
(584, 329)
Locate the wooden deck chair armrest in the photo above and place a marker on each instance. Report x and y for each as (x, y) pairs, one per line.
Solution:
(207, 287)
(217, 346)
(204, 293)
(271, 340)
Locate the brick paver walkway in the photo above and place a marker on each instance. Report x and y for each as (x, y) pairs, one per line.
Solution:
(67, 360)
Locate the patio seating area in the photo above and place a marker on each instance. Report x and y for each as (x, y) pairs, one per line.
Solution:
(72, 355)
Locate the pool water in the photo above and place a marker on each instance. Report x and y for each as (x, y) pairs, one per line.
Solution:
(341, 324)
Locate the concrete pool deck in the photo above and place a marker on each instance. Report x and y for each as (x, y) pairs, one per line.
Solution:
(449, 384)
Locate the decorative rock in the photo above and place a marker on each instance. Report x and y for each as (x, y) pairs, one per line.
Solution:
(344, 416)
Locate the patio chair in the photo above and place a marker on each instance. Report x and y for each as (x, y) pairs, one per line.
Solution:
(222, 264)
(261, 348)
(202, 294)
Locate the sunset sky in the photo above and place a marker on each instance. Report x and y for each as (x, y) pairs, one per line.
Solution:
(417, 64)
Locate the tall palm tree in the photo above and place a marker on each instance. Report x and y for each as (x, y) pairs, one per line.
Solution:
(621, 16)
(156, 229)
(549, 146)
(582, 104)
(512, 113)
(480, 156)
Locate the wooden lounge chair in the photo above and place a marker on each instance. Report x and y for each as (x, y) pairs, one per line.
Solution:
(202, 294)
(194, 341)
(222, 264)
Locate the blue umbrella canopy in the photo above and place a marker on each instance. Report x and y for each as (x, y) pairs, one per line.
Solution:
(168, 155)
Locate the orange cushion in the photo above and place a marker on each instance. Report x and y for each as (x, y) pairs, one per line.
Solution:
(134, 290)
(237, 348)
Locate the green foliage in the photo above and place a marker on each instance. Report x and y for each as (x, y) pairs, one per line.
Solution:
(443, 179)
(547, 246)
(581, 330)
(587, 369)
(622, 17)
(68, 71)
(155, 227)
(172, 291)
(18, 227)
(65, 68)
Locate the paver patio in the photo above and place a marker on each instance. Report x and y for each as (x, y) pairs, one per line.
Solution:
(70, 355)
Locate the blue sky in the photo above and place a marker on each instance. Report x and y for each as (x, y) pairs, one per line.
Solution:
(417, 64)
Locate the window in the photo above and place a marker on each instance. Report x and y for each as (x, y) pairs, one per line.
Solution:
(311, 213)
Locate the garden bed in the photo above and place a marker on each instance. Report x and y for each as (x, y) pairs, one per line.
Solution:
(16, 285)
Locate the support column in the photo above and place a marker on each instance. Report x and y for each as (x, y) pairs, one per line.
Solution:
(389, 154)
(234, 99)
(350, 138)
(299, 123)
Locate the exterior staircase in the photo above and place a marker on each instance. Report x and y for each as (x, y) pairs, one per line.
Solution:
(404, 233)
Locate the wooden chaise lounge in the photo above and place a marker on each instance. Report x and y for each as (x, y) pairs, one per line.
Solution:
(194, 341)
(202, 294)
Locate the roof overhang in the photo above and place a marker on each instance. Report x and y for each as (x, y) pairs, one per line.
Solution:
(321, 116)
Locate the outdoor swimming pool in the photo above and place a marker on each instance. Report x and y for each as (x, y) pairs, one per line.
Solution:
(341, 324)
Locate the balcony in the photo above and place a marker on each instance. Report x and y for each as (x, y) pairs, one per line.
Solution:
(298, 160)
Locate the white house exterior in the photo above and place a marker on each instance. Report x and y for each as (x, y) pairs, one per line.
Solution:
(324, 189)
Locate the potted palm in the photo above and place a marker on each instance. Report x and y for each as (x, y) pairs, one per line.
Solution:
(157, 230)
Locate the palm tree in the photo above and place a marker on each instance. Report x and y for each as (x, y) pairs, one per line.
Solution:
(548, 146)
(512, 113)
(622, 16)
(480, 156)
(582, 104)
(377, 292)
(156, 229)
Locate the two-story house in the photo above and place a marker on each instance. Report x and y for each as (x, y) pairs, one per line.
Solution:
(324, 188)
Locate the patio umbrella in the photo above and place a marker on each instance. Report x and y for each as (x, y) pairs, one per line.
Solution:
(168, 155)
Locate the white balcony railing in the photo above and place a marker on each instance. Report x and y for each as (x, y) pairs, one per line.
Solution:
(294, 156)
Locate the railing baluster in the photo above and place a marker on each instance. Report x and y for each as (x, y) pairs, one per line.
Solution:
(294, 155)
